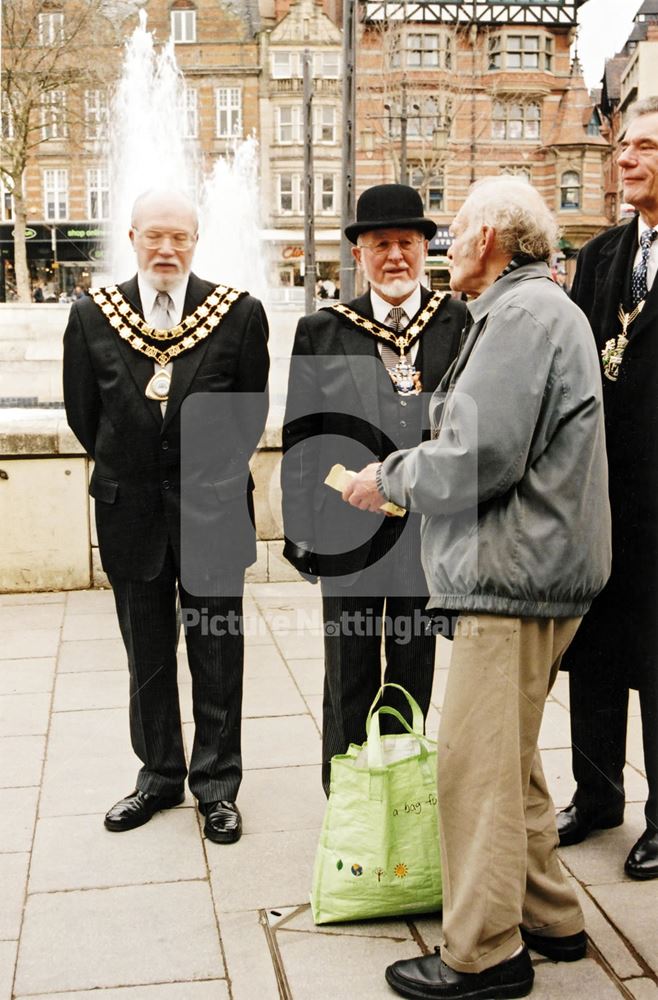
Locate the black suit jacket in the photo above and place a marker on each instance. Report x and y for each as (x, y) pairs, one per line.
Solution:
(334, 415)
(149, 470)
(629, 602)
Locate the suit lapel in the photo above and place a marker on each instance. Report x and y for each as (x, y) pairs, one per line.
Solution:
(435, 344)
(358, 345)
(615, 261)
(186, 364)
(140, 367)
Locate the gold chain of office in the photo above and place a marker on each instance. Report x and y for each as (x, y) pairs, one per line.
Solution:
(403, 340)
(135, 331)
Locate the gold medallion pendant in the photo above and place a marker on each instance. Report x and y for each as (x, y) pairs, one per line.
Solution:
(612, 354)
(158, 386)
(405, 378)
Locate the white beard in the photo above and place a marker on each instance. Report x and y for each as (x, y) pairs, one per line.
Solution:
(398, 288)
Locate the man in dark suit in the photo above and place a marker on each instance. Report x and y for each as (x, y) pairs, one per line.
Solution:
(360, 377)
(617, 645)
(165, 386)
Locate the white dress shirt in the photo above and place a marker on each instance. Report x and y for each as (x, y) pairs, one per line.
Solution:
(148, 294)
(652, 264)
(381, 308)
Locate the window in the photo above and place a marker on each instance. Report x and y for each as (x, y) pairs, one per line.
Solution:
(289, 124)
(423, 49)
(55, 195)
(51, 28)
(228, 106)
(290, 194)
(324, 121)
(183, 25)
(512, 121)
(6, 203)
(521, 52)
(53, 110)
(286, 65)
(430, 184)
(96, 114)
(326, 64)
(594, 124)
(189, 113)
(98, 193)
(570, 186)
(325, 194)
(516, 170)
(424, 116)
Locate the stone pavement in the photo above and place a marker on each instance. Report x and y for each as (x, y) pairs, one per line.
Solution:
(159, 913)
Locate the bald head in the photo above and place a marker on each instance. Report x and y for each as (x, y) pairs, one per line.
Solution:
(164, 232)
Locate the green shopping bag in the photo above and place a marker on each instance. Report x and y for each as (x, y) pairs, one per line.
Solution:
(378, 854)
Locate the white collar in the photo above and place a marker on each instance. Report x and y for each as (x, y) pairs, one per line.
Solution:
(643, 227)
(148, 295)
(381, 308)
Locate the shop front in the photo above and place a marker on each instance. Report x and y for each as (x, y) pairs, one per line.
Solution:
(61, 257)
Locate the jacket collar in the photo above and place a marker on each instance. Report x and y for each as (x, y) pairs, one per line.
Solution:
(483, 304)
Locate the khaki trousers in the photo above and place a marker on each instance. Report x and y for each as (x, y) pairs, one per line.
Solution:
(498, 834)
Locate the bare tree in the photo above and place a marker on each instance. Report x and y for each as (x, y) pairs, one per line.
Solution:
(51, 51)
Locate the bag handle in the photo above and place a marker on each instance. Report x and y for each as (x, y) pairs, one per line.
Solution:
(374, 744)
(418, 720)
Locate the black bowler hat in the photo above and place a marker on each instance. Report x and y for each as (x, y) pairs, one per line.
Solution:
(390, 206)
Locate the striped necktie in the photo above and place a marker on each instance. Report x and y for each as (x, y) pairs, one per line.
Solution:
(639, 289)
(396, 321)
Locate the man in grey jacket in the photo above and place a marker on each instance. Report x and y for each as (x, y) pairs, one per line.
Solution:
(516, 535)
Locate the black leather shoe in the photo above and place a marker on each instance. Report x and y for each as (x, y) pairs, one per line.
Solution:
(642, 862)
(573, 825)
(223, 822)
(428, 978)
(568, 948)
(138, 808)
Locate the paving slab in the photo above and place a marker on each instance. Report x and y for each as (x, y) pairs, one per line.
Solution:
(280, 742)
(308, 674)
(31, 616)
(571, 980)
(76, 692)
(328, 967)
(300, 645)
(31, 676)
(285, 798)
(43, 597)
(82, 655)
(632, 908)
(264, 661)
(18, 810)
(22, 644)
(248, 957)
(274, 869)
(89, 763)
(7, 966)
(24, 714)
(555, 728)
(97, 625)
(604, 936)
(314, 702)
(13, 879)
(211, 989)
(122, 936)
(300, 918)
(271, 696)
(76, 852)
(642, 989)
(89, 602)
(21, 760)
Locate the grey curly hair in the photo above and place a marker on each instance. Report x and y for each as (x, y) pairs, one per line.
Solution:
(517, 212)
(646, 106)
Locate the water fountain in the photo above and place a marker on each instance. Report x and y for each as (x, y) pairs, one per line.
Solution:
(149, 150)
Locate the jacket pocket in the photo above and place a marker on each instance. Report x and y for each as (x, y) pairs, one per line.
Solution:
(103, 489)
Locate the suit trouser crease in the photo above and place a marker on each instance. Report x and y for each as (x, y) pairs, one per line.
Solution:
(148, 621)
(498, 835)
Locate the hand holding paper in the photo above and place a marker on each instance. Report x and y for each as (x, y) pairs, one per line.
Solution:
(360, 489)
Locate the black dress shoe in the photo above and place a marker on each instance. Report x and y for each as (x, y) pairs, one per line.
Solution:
(568, 948)
(223, 822)
(429, 978)
(138, 808)
(573, 824)
(642, 862)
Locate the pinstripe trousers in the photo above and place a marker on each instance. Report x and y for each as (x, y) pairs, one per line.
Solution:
(149, 625)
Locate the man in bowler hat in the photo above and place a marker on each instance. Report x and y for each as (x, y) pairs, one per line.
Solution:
(359, 378)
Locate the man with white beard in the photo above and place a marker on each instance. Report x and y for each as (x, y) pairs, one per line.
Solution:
(360, 378)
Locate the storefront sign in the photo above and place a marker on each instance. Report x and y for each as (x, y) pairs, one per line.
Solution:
(292, 253)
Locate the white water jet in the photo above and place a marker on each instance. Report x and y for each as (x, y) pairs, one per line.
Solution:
(149, 151)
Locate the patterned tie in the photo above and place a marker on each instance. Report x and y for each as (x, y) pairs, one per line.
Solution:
(396, 320)
(639, 279)
(162, 318)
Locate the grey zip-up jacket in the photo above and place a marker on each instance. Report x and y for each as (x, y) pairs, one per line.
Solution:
(513, 484)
